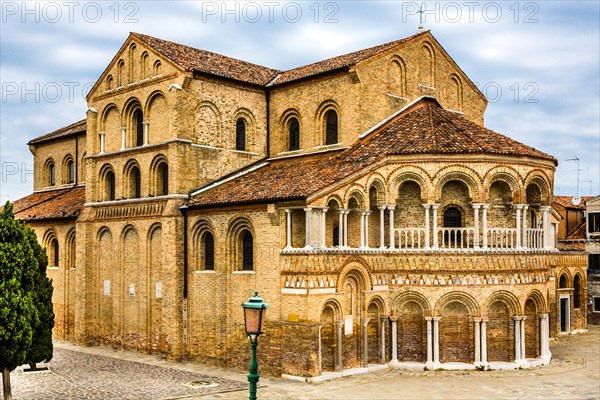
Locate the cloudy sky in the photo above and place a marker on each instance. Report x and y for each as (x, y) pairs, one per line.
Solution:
(536, 61)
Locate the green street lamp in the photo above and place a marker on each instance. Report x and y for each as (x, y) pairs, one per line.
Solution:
(254, 317)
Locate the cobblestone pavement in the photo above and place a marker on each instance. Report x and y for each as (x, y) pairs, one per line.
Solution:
(82, 375)
(104, 373)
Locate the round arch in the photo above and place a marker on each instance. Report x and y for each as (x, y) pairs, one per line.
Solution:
(505, 297)
(459, 296)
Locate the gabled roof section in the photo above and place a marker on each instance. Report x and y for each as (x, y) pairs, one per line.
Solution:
(338, 62)
(197, 60)
(423, 128)
(61, 203)
(567, 202)
(75, 128)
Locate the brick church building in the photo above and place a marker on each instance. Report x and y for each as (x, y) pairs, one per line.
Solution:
(361, 195)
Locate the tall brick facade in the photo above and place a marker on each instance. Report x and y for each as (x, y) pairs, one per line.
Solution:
(360, 195)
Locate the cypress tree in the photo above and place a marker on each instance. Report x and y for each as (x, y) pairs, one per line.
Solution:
(41, 349)
(18, 313)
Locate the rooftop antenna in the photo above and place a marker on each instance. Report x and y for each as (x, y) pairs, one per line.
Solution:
(577, 198)
(420, 18)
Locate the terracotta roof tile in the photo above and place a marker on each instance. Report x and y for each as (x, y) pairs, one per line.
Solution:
(64, 203)
(73, 129)
(567, 201)
(339, 62)
(193, 59)
(425, 128)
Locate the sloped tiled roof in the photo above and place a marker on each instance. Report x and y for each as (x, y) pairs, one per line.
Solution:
(73, 129)
(336, 63)
(424, 128)
(64, 203)
(567, 201)
(193, 59)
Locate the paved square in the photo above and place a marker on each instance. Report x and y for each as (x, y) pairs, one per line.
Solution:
(104, 373)
(82, 375)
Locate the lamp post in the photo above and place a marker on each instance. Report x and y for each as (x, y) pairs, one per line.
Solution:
(254, 317)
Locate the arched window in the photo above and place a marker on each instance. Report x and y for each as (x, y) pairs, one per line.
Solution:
(452, 218)
(110, 185)
(144, 64)
(562, 282)
(135, 190)
(240, 134)
(54, 252)
(294, 133)
(70, 250)
(51, 174)
(209, 251)
(331, 127)
(247, 251)
(577, 291)
(138, 123)
(109, 82)
(163, 179)
(157, 68)
(70, 171)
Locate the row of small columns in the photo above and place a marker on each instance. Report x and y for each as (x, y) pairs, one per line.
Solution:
(433, 340)
(521, 224)
(123, 137)
(480, 326)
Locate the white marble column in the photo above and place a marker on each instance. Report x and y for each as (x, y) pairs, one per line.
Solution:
(476, 228)
(476, 325)
(308, 217)
(484, 230)
(546, 226)
(346, 212)
(484, 340)
(365, 342)
(518, 208)
(145, 125)
(523, 354)
(382, 324)
(341, 228)
(543, 334)
(323, 227)
(394, 320)
(429, 342)
(362, 229)
(392, 236)
(517, 321)
(436, 340)
(367, 213)
(123, 137)
(320, 348)
(382, 226)
(101, 134)
(524, 226)
(435, 225)
(339, 363)
(427, 228)
(288, 220)
(545, 323)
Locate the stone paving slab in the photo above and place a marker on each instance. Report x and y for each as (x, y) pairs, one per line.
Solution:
(80, 375)
(106, 373)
